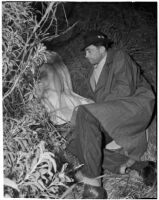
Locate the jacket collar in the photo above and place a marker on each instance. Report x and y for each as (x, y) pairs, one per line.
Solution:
(109, 60)
(110, 55)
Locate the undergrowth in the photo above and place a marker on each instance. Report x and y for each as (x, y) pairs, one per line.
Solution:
(32, 144)
(31, 147)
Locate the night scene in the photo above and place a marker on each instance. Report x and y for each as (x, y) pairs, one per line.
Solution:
(79, 84)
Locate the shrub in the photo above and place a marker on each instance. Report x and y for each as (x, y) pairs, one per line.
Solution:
(31, 141)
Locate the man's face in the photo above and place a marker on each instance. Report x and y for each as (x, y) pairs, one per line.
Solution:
(94, 54)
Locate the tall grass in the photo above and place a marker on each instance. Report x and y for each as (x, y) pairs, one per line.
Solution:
(31, 141)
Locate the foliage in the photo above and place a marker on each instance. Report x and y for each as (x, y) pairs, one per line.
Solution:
(33, 167)
(22, 47)
(34, 171)
(31, 146)
(31, 141)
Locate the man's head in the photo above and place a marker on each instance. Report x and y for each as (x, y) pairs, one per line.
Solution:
(96, 45)
(94, 54)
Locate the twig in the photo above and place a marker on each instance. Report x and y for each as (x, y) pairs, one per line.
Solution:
(25, 49)
(63, 33)
(65, 14)
(53, 18)
(67, 191)
(14, 85)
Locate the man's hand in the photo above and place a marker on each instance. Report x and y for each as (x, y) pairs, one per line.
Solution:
(112, 146)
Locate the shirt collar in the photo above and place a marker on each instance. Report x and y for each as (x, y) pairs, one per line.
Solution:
(101, 63)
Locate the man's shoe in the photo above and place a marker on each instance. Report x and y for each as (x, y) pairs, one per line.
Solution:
(94, 192)
(149, 174)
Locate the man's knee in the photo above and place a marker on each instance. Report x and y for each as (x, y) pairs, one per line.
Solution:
(85, 115)
(81, 113)
(81, 110)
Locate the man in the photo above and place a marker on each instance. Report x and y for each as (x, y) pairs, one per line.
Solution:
(118, 119)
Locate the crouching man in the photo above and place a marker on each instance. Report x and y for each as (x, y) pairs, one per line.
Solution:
(118, 119)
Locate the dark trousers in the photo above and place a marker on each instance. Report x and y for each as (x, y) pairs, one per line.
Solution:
(88, 145)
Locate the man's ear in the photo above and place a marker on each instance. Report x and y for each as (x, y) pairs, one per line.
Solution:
(102, 49)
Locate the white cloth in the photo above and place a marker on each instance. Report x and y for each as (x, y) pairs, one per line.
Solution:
(98, 68)
(96, 72)
(58, 97)
(60, 106)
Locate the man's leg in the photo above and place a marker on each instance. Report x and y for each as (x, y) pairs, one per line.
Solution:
(113, 160)
(87, 143)
(87, 147)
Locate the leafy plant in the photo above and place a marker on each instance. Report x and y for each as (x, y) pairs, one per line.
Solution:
(36, 174)
(31, 142)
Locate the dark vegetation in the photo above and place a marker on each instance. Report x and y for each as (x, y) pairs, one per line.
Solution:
(33, 166)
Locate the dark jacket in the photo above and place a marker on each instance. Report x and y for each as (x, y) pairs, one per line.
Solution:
(124, 103)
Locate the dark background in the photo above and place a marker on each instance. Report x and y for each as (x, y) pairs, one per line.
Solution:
(132, 27)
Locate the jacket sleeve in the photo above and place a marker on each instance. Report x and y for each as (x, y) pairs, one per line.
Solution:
(123, 80)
